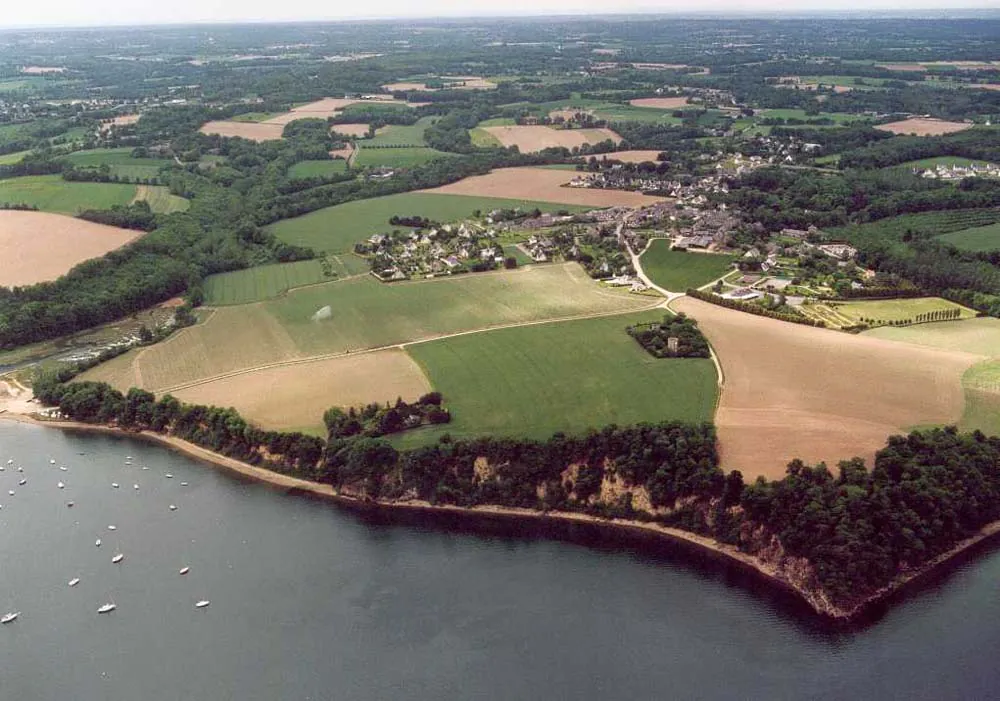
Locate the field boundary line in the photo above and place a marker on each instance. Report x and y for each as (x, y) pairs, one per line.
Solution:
(400, 346)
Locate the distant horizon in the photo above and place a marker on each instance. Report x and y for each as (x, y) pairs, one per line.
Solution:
(195, 14)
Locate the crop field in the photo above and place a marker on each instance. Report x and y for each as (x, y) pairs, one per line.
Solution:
(793, 391)
(530, 139)
(631, 113)
(484, 139)
(883, 312)
(402, 135)
(266, 281)
(160, 199)
(980, 335)
(368, 314)
(660, 103)
(923, 224)
(981, 384)
(542, 184)
(980, 238)
(294, 397)
(253, 131)
(336, 229)
(396, 157)
(838, 117)
(317, 169)
(924, 127)
(532, 381)
(37, 246)
(12, 158)
(631, 156)
(679, 270)
(51, 193)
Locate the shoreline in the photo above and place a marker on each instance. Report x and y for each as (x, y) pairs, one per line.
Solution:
(634, 530)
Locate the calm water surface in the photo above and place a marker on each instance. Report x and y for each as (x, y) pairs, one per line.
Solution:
(310, 602)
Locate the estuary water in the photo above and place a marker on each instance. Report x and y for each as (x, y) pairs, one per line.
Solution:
(312, 602)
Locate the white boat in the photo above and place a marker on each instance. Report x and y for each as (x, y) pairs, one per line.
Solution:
(169, 476)
(52, 462)
(23, 482)
(73, 582)
(128, 457)
(11, 492)
(184, 570)
(2, 468)
(70, 504)
(114, 485)
(11, 461)
(202, 604)
(112, 528)
(97, 542)
(63, 468)
(118, 558)
(184, 484)
(144, 467)
(107, 608)
(61, 485)
(10, 617)
(173, 508)
(135, 486)
(20, 469)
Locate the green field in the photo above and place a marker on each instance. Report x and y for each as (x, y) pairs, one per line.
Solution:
(317, 169)
(50, 193)
(980, 335)
(678, 271)
(942, 161)
(396, 157)
(337, 229)
(980, 238)
(120, 161)
(535, 380)
(369, 314)
(838, 117)
(401, 135)
(483, 139)
(981, 384)
(840, 314)
(160, 200)
(255, 116)
(926, 224)
(270, 281)
(630, 113)
(497, 122)
(262, 282)
(12, 158)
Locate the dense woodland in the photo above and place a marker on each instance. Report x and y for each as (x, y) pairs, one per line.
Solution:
(655, 337)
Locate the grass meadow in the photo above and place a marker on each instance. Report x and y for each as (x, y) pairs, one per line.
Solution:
(400, 157)
(678, 271)
(317, 169)
(161, 200)
(270, 281)
(336, 229)
(979, 238)
(50, 193)
(533, 381)
(840, 314)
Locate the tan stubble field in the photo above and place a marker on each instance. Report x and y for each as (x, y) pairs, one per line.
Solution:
(794, 391)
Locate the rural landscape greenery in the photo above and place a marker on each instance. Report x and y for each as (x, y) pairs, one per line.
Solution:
(626, 271)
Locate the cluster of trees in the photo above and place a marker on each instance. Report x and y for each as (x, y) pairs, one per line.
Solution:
(137, 215)
(902, 291)
(978, 144)
(414, 221)
(752, 308)
(655, 337)
(375, 420)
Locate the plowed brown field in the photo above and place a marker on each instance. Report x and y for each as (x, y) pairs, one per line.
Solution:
(534, 138)
(37, 246)
(793, 391)
(660, 103)
(923, 127)
(542, 184)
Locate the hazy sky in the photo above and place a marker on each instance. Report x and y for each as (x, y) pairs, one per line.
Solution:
(105, 12)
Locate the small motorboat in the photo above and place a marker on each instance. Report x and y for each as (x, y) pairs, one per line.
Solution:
(73, 582)
(20, 469)
(202, 604)
(70, 504)
(135, 486)
(128, 457)
(11, 461)
(118, 558)
(144, 467)
(115, 485)
(2, 468)
(52, 462)
(173, 508)
(61, 485)
(184, 570)
(23, 482)
(10, 617)
(169, 476)
(97, 542)
(184, 484)
(11, 492)
(63, 468)
(107, 608)
(112, 528)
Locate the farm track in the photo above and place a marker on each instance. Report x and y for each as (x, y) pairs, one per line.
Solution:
(402, 346)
